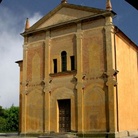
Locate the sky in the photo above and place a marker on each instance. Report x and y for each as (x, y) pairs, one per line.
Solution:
(13, 14)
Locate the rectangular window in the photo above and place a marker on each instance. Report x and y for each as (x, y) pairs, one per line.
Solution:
(72, 59)
(64, 61)
(55, 65)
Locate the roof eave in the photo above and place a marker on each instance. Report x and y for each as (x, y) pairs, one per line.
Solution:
(19, 61)
(124, 35)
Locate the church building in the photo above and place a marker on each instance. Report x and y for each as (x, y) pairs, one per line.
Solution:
(79, 75)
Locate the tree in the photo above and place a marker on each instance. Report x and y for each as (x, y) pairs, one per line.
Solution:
(2, 124)
(2, 120)
(12, 118)
(9, 119)
(1, 111)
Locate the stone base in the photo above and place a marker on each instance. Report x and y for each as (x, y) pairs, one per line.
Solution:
(59, 135)
(133, 133)
(123, 134)
(30, 134)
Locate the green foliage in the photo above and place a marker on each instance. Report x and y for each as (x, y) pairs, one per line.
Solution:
(9, 119)
(2, 124)
(1, 111)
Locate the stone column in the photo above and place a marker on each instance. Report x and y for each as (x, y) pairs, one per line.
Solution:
(79, 85)
(111, 82)
(47, 90)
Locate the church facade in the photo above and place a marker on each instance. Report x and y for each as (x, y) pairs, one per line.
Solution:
(79, 74)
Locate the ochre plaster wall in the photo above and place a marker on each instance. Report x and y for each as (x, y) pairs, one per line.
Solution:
(95, 111)
(93, 52)
(61, 86)
(34, 111)
(35, 62)
(32, 94)
(127, 88)
(60, 92)
(58, 45)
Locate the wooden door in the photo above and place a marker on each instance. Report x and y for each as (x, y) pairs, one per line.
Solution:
(64, 116)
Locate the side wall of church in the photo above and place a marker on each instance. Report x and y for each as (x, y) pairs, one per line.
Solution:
(127, 88)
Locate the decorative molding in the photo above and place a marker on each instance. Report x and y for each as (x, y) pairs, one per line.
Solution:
(111, 75)
(79, 35)
(36, 44)
(80, 85)
(112, 72)
(34, 85)
(25, 47)
(111, 81)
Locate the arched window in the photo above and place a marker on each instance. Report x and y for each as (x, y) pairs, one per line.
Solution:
(64, 61)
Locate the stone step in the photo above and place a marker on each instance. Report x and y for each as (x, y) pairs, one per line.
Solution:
(73, 135)
(57, 135)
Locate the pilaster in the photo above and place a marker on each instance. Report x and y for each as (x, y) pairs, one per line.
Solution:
(47, 90)
(23, 93)
(111, 82)
(79, 86)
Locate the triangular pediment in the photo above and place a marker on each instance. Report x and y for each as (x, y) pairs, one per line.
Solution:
(65, 13)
